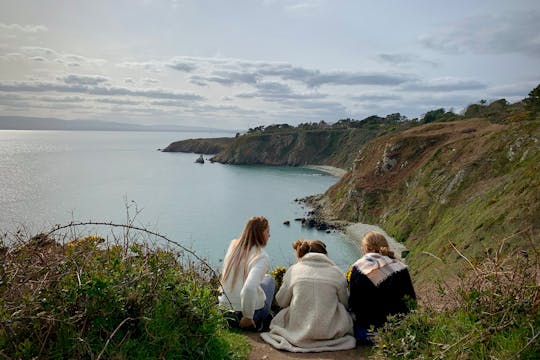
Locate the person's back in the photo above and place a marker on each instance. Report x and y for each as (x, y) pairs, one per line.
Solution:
(314, 316)
(379, 286)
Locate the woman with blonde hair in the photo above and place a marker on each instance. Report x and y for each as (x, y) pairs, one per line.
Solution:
(314, 297)
(247, 289)
(379, 286)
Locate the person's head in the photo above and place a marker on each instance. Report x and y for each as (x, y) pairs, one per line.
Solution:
(375, 242)
(303, 247)
(256, 234)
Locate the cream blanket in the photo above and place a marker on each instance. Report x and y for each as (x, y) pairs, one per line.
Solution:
(314, 317)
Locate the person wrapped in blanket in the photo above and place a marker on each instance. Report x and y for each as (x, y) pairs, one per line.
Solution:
(380, 285)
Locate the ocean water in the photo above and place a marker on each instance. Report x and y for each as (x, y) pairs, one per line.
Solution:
(54, 177)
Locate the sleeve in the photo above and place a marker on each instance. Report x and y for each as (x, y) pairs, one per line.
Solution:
(284, 294)
(249, 293)
(342, 291)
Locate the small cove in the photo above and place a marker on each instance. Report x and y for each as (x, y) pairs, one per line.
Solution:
(54, 177)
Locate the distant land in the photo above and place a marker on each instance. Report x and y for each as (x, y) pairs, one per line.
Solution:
(37, 123)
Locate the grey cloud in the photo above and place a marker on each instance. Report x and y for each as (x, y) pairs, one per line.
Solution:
(254, 72)
(74, 79)
(153, 66)
(445, 85)
(274, 91)
(68, 99)
(346, 78)
(149, 81)
(23, 28)
(118, 101)
(404, 59)
(95, 90)
(173, 103)
(38, 51)
(375, 97)
(182, 65)
(226, 78)
(513, 32)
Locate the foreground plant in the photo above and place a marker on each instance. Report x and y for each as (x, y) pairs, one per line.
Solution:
(90, 298)
(494, 312)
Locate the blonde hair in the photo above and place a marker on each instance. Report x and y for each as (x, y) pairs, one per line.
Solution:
(253, 235)
(375, 242)
(303, 247)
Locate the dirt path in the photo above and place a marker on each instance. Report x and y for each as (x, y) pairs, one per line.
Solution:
(262, 351)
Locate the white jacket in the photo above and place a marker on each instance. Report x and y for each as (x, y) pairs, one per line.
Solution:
(246, 295)
(315, 317)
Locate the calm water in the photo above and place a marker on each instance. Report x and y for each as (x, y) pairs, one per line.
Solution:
(53, 177)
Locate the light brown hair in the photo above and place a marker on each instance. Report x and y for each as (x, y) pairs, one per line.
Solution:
(253, 235)
(303, 247)
(375, 242)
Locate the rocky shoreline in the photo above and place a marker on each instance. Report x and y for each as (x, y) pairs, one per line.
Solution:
(319, 218)
(331, 170)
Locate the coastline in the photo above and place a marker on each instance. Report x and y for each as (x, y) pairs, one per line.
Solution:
(356, 231)
(331, 170)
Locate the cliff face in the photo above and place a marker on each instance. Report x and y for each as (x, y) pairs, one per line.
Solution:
(199, 146)
(334, 147)
(471, 183)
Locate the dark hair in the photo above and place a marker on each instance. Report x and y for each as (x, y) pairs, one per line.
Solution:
(303, 247)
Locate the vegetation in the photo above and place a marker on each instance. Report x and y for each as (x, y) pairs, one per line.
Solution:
(492, 313)
(89, 298)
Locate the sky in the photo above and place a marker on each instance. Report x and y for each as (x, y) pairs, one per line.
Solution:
(238, 64)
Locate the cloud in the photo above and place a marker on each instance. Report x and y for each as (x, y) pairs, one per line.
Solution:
(399, 59)
(348, 78)
(22, 28)
(375, 97)
(182, 64)
(253, 72)
(227, 78)
(273, 91)
(117, 101)
(73, 79)
(94, 90)
(444, 84)
(512, 32)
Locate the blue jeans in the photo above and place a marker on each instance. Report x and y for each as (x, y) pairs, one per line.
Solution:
(269, 286)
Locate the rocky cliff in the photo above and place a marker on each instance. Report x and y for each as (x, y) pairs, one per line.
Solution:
(468, 184)
(316, 143)
(199, 146)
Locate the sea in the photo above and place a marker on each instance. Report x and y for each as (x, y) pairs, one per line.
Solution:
(50, 178)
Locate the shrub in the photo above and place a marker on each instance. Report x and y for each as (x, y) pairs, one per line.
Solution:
(90, 298)
(493, 312)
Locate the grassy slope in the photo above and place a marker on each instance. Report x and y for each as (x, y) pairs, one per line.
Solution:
(467, 182)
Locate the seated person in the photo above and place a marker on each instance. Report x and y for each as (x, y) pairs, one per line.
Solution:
(379, 286)
(247, 289)
(314, 297)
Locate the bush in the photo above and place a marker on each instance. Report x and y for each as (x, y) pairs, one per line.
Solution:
(493, 313)
(89, 298)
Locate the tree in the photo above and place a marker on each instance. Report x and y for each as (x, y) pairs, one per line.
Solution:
(433, 115)
(533, 101)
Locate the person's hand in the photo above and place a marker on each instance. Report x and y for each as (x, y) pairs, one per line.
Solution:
(247, 323)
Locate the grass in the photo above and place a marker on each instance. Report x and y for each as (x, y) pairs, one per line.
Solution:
(65, 296)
